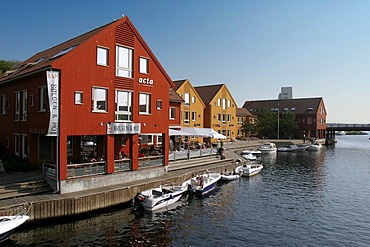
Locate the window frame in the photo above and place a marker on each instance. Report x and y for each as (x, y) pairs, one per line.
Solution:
(126, 114)
(98, 61)
(146, 69)
(174, 113)
(95, 105)
(129, 61)
(187, 99)
(42, 99)
(17, 106)
(80, 100)
(3, 104)
(193, 116)
(16, 144)
(186, 117)
(159, 104)
(147, 104)
(24, 146)
(24, 105)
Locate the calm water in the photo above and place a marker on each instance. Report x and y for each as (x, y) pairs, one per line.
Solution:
(299, 199)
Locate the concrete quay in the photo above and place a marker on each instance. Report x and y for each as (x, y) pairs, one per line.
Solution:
(49, 205)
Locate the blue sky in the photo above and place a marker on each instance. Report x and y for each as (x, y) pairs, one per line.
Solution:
(320, 48)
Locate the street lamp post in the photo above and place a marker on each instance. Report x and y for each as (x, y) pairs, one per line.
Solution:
(278, 127)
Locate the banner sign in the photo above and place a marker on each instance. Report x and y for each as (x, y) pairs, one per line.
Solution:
(123, 128)
(53, 93)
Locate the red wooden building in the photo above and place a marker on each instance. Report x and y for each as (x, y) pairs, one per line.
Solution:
(95, 104)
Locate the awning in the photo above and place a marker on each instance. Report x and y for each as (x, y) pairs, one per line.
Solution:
(173, 132)
(200, 132)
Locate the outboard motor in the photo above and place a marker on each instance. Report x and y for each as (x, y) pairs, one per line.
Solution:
(137, 202)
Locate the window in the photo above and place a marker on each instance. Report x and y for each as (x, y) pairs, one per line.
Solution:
(159, 139)
(172, 112)
(24, 105)
(218, 102)
(193, 99)
(159, 104)
(78, 98)
(228, 103)
(124, 62)
(17, 105)
(228, 117)
(3, 104)
(224, 104)
(123, 106)
(99, 98)
(187, 117)
(218, 117)
(193, 116)
(7, 142)
(144, 103)
(16, 144)
(309, 120)
(102, 56)
(187, 99)
(42, 97)
(32, 100)
(144, 65)
(224, 118)
(24, 146)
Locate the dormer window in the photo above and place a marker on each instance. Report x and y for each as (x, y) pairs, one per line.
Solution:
(292, 108)
(310, 108)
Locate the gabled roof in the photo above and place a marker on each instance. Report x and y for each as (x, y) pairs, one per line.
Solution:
(175, 97)
(46, 58)
(207, 93)
(243, 112)
(178, 83)
(298, 106)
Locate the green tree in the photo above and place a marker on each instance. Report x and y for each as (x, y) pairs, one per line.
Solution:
(248, 128)
(267, 124)
(288, 124)
(6, 65)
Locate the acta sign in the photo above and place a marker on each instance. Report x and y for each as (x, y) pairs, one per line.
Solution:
(146, 81)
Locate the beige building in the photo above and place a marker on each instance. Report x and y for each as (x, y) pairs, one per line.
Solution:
(192, 108)
(220, 110)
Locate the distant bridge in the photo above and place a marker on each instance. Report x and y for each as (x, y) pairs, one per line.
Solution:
(347, 127)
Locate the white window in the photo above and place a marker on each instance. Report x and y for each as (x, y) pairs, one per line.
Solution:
(17, 105)
(99, 98)
(223, 104)
(159, 104)
(193, 99)
(150, 139)
(187, 117)
(228, 103)
(102, 56)
(193, 116)
(42, 99)
(218, 117)
(144, 103)
(78, 98)
(159, 139)
(224, 118)
(24, 105)
(218, 102)
(3, 104)
(123, 106)
(187, 99)
(24, 146)
(124, 62)
(144, 65)
(31, 100)
(16, 144)
(172, 113)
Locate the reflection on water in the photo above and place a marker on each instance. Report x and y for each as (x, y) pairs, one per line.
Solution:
(299, 199)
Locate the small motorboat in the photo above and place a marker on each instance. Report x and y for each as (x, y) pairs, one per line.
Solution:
(249, 170)
(314, 146)
(160, 197)
(9, 223)
(253, 152)
(292, 148)
(203, 184)
(229, 176)
(250, 156)
(268, 148)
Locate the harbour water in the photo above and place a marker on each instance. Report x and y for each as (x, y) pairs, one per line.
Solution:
(299, 199)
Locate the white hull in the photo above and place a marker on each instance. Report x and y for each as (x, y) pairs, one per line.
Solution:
(229, 177)
(249, 170)
(314, 147)
(268, 148)
(249, 156)
(9, 223)
(205, 183)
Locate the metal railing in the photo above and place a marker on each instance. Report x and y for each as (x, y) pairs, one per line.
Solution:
(189, 154)
(151, 161)
(86, 169)
(122, 165)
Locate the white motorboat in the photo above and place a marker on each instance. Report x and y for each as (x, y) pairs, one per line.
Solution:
(292, 148)
(159, 197)
(229, 176)
(249, 170)
(314, 146)
(268, 148)
(9, 223)
(203, 184)
(253, 152)
(250, 156)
